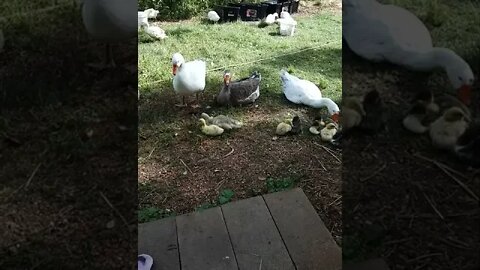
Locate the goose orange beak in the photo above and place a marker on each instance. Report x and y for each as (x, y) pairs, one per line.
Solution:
(336, 117)
(465, 94)
(174, 70)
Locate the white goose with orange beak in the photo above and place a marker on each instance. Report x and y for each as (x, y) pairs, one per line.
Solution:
(379, 32)
(189, 77)
(305, 92)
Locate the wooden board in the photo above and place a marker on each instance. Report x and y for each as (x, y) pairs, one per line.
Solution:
(307, 239)
(159, 240)
(255, 239)
(374, 264)
(204, 242)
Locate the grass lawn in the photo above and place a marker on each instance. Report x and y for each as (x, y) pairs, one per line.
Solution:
(181, 170)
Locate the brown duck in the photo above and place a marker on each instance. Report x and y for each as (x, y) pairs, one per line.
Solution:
(243, 91)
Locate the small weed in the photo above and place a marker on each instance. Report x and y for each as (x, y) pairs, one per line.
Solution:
(153, 213)
(276, 185)
(225, 196)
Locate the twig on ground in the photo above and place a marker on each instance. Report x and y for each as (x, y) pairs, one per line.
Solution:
(328, 151)
(229, 153)
(115, 209)
(188, 168)
(424, 256)
(336, 200)
(447, 172)
(319, 161)
(32, 175)
(433, 206)
(377, 171)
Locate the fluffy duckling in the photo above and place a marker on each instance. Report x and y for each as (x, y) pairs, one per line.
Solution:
(352, 113)
(222, 121)
(375, 118)
(328, 132)
(427, 98)
(289, 126)
(296, 125)
(318, 124)
(446, 130)
(467, 148)
(447, 101)
(415, 121)
(210, 130)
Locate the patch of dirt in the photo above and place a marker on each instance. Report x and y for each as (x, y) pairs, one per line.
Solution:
(191, 169)
(397, 204)
(64, 150)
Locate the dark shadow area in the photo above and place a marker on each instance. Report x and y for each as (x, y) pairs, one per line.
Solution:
(68, 147)
(403, 199)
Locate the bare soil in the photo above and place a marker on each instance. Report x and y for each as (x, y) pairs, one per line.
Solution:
(396, 203)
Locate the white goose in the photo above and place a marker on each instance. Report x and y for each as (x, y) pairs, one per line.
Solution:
(379, 32)
(305, 92)
(189, 78)
(110, 21)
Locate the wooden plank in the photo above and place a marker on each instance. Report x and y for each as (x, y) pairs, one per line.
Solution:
(255, 238)
(308, 241)
(204, 242)
(374, 264)
(159, 240)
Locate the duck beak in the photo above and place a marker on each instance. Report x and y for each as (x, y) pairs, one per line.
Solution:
(226, 79)
(336, 117)
(465, 94)
(174, 70)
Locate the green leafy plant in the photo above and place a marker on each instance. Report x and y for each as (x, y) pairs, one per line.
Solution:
(153, 213)
(276, 185)
(225, 196)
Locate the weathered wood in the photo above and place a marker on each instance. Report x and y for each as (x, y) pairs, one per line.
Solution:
(159, 240)
(307, 239)
(204, 242)
(374, 264)
(255, 239)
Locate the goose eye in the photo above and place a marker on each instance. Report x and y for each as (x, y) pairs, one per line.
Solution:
(460, 78)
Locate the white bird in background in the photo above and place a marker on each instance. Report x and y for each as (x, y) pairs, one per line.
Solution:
(271, 18)
(151, 13)
(379, 32)
(110, 21)
(142, 20)
(155, 32)
(285, 15)
(2, 40)
(213, 16)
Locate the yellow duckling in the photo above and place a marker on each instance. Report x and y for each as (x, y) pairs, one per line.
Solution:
(284, 127)
(318, 124)
(328, 132)
(222, 121)
(210, 130)
(415, 119)
(446, 130)
(352, 113)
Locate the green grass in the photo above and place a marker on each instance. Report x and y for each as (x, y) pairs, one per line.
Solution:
(223, 45)
(452, 24)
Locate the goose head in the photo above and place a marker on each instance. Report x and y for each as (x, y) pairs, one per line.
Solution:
(227, 77)
(462, 78)
(332, 108)
(177, 62)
